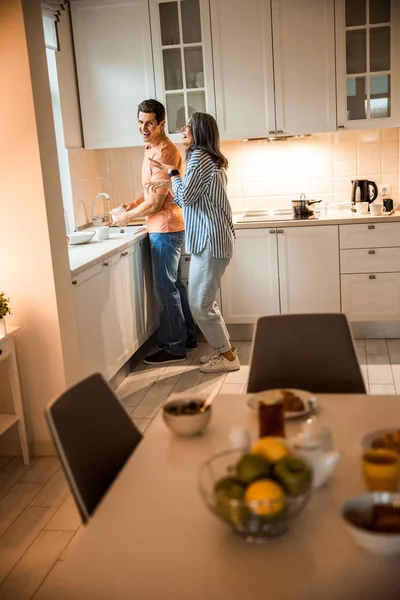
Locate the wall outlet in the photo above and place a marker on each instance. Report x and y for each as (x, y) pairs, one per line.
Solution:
(384, 188)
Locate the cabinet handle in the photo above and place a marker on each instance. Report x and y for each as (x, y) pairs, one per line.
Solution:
(371, 226)
(272, 132)
(280, 131)
(74, 282)
(106, 264)
(1, 351)
(371, 251)
(124, 254)
(279, 231)
(341, 127)
(272, 230)
(187, 259)
(372, 276)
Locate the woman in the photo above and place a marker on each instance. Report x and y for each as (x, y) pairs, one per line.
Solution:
(209, 236)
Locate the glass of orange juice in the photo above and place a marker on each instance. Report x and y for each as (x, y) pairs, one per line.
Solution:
(381, 470)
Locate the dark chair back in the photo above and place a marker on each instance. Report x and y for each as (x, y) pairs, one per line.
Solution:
(312, 352)
(94, 436)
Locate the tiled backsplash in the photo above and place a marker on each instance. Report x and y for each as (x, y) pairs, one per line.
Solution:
(260, 173)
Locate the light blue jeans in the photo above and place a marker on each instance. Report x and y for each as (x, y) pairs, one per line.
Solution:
(205, 274)
(176, 322)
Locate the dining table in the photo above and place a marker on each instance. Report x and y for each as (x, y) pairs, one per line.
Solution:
(153, 538)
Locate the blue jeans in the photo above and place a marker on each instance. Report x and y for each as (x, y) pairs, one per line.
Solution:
(205, 274)
(176, 322)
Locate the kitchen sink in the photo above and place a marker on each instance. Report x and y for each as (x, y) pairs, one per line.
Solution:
(272, 214)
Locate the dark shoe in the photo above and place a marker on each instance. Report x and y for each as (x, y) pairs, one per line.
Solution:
(163, 358)
(191, 345)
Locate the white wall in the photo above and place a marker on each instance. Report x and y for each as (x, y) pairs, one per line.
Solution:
(34, 268)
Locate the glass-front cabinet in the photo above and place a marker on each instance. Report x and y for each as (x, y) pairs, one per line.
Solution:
(368, 63)
(182, 59)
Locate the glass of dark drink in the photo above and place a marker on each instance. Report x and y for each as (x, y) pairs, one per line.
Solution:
(270, 415)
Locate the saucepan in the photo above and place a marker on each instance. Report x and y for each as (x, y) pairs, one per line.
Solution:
(303, 206)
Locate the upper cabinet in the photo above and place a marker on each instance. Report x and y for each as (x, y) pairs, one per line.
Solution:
(182, 59)
(368, 63)
(274, 64)
(115, 68)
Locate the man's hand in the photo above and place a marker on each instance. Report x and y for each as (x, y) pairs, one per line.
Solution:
(127, 205)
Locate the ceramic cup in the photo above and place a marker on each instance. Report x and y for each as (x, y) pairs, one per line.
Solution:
(381, 470)
(376, 209)
(362, 208)
(102, 233)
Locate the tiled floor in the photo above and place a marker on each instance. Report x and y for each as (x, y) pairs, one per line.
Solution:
(38, 517)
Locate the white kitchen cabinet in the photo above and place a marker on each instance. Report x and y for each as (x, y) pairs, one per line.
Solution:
(115, 68)
(368, 63)
(370, 271)
(280, 78)
(309, 275)
(116, 309)
(250, 285)
(183, 67)
(371, 297)
(282, 270)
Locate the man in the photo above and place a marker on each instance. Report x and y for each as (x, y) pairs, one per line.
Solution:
(166, 230)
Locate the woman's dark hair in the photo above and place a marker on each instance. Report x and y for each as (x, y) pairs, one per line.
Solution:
(206, 137)
(152, 106)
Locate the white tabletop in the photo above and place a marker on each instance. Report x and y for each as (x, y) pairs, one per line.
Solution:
(152, 538)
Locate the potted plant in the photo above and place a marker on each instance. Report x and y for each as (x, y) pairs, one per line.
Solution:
(4, 310)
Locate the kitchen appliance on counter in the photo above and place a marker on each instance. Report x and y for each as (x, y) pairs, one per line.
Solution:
(303, 207)
(274, 214)
(360, 192)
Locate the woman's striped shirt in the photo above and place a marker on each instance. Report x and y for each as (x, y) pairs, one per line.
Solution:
(206, 209)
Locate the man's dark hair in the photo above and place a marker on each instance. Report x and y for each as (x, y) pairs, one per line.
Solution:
(206, 137)
(152, 106)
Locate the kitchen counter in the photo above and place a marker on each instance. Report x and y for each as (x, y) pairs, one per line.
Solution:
(84, 256)
(343, 217)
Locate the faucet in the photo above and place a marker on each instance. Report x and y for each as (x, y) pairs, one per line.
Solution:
(94, 204)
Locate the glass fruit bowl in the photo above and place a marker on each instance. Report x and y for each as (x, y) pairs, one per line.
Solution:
(262, 508)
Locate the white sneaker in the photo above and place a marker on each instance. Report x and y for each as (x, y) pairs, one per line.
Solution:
(207, 357)
(220, 364)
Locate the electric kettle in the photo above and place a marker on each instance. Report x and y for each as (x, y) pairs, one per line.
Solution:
(360, 192)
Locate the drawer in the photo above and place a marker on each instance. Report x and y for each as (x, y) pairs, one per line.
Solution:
(371, 260)
(369, 235)
(371, 297)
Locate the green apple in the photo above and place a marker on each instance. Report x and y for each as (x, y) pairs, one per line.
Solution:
(294, 475)
(229, 496)
(252, 467)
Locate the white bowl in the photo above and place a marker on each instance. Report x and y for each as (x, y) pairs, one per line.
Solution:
(80, 237)
(386, 544)
(186, 424)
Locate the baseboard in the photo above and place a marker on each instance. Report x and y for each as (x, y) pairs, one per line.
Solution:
(375, 329)
(12, 447)
(241, 332)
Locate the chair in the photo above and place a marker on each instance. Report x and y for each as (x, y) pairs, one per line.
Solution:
(313, 352)
(94, 436)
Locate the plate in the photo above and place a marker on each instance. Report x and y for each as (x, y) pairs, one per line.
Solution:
(308, 399)
(367, 440)
(79, 237)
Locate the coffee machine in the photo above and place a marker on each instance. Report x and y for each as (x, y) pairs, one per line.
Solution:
(360, 192)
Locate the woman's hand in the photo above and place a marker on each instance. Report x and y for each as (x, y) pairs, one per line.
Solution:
(161, 166)
(157, 184)
(122, 219)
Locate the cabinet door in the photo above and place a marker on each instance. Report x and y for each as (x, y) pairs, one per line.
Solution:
(115, 70)
(182, 59)
(149, 310)
(242, 51)
(304, 65)
(132, 306)
(249, 287)
(309, 278)
(91, 310)
(368, 63)
(372, 297)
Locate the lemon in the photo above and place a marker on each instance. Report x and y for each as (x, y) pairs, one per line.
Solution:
(265, 498)
(273, 449)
